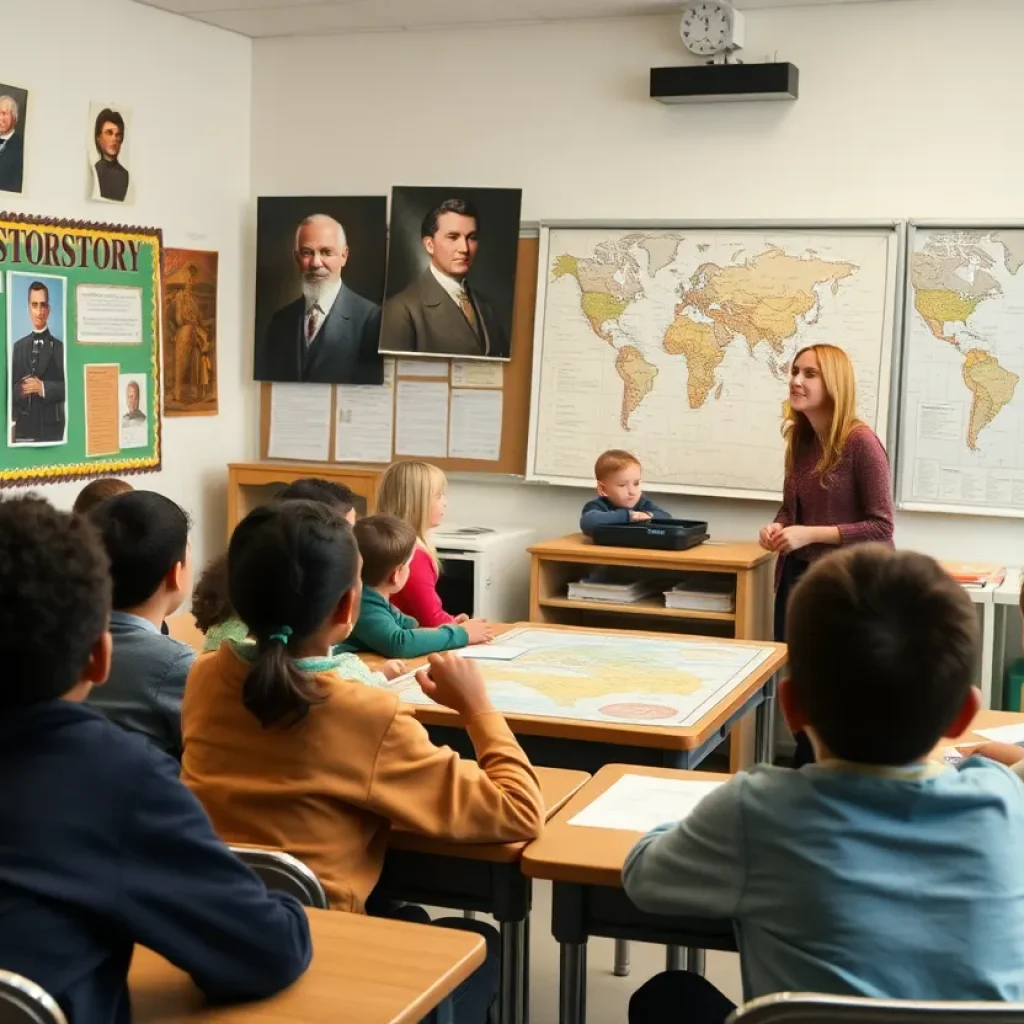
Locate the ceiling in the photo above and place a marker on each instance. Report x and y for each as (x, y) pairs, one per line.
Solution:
(264, 18)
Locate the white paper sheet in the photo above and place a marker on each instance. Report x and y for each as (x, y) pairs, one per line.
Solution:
(108, 314)
(300, 422)
(1004, 733)
(491, 652)
(423, 368)
(470, 373)
(475, 425)
(365, 423)
(421, 419)
(638, 803)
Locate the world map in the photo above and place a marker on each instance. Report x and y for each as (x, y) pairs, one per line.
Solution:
(964, 412)
(676, 344)
(639, 680)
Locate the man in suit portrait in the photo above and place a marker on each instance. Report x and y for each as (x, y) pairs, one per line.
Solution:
(37, 376)
(111, 176)
(329, 334)
(442, 313)
(12, 146)
(134, 414)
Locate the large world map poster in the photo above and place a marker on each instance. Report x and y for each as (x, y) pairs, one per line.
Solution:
(675, 343)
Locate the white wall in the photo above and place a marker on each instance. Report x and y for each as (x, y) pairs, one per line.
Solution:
(898, 116)
(188, 86)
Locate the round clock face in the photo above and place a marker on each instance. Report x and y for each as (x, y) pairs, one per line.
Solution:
(706, 28)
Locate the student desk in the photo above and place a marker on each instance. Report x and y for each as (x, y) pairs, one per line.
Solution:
(985, 720)
(585, 866)
(364, 969)
(588, 745)
(479, 877)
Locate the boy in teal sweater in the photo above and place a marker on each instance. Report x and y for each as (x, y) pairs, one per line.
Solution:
(387, 544)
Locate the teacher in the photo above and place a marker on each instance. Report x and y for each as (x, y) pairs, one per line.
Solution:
(838, 487)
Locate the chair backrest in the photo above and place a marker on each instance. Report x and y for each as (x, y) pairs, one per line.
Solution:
(24, 1002)
(808, 1008)
(283, 872)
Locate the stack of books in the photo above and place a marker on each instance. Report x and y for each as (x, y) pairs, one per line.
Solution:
(975, 575)
(588, 589)
(703, 594)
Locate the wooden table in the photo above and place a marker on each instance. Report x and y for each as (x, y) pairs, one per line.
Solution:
(587, 745)
(585, 865)
(365, 970)
(985, 719)
(481, 877)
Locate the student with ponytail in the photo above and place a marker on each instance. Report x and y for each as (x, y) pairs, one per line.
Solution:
(285, 753)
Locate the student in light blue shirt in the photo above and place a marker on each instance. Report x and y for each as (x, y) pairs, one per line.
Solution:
(874, 872)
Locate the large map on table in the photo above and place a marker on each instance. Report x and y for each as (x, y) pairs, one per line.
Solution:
(676, 344)
(963, 422)
(612, 678)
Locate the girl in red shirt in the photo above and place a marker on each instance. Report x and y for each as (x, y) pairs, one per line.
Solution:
(415, 492)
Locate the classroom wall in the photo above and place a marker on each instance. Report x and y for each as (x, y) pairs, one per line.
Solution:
(188, 86)
(897, 117)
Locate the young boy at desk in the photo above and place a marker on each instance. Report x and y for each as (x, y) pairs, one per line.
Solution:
(387, 544)
(101, 846)
(874, 872)
(620, 498)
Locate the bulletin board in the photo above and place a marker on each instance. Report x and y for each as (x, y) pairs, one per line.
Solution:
(80, 326)
(514, 387)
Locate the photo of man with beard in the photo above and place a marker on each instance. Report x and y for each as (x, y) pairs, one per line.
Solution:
(328, 335)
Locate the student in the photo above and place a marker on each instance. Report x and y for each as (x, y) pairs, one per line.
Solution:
(146, 537)
(387, 545)
(314, 488)
(103, 847)
(620, 497)
(838, 488)
(893, 876)
(284, 754)
(415, 492)
(97, 492)
(217, 621)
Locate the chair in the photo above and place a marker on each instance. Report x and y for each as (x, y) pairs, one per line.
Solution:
(285, 873)
(24, 1002)
(808, 1008)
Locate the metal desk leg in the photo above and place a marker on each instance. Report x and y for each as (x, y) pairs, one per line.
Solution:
(572, 987)
(764, 724)
(695, 961)
(675, 958)
(621, 966)
(999, 612)
(510, 990)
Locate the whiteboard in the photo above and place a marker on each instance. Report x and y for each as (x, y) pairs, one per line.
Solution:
(626, 314)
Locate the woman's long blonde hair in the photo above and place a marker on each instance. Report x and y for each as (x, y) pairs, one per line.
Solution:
(841, 386)
(407, 490)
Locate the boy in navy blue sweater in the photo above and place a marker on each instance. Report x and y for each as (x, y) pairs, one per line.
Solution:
(620, 498)
(101, 846)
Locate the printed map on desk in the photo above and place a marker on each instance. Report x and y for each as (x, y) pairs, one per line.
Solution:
(612, 678)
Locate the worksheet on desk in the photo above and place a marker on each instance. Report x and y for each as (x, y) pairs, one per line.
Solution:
(638, 803)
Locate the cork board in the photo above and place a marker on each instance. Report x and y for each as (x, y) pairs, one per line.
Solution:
(516, 383)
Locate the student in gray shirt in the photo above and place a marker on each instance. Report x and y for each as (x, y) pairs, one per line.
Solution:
(146, 537)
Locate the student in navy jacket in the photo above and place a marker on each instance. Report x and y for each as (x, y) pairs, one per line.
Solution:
(101, 846)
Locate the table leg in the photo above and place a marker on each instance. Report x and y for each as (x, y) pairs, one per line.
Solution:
(675, 958)
(510, 986)
(987, 650)
(572, 987)
(695, 961)
(764, 724)
(621, 966)
(999, 612)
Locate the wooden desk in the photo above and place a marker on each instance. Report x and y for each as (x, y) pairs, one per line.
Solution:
(587, 745)
(481, 877)
(585, 865)
(365, 969)
(985, 719)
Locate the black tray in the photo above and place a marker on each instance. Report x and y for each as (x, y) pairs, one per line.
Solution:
(654, 534)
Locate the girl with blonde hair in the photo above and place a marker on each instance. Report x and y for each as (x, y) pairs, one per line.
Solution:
(415, 492)
(838, 487)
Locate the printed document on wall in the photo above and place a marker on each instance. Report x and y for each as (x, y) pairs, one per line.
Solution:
(365, 423)
(421, 419)
(300, 422)
(475, 425)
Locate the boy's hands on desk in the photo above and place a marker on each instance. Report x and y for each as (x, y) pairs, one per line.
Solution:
(480, 631)
(639, 517)
(460, 619)
(392, 669)
(455, 682)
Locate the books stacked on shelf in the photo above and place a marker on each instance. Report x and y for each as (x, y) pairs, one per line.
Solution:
(608, 592)
(975, 575)
(702, 594)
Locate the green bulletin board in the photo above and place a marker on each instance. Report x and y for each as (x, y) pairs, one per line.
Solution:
(79, 319)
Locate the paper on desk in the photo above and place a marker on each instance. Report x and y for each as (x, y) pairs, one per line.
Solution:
(1004, 733)
(421, 419)
(491, 652)
(300, 422)
(475, 431)
(638, 803)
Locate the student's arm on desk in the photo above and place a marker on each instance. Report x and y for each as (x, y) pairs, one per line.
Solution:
(397, 636)
(182, 893)
(695, 866)
(595, 514)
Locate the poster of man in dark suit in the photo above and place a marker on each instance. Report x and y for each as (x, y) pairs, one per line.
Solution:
(13, 111)
(36, 388)
(454, 297)
(335, 260)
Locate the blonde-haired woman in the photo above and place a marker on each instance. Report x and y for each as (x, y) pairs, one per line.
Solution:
(838, 487)
(415, 492)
